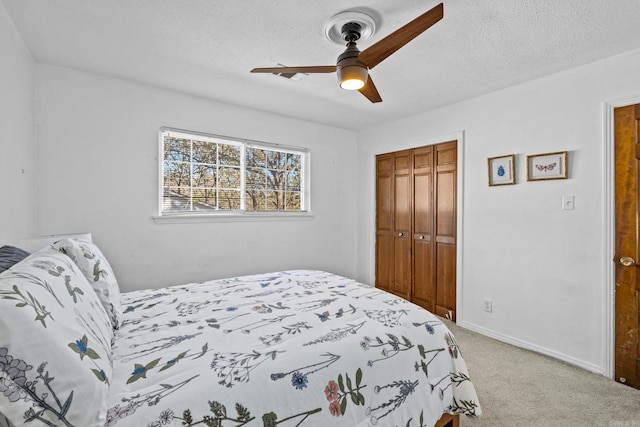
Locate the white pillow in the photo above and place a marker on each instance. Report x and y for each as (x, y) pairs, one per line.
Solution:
(55, 344)
(98, 272)
(35, 243)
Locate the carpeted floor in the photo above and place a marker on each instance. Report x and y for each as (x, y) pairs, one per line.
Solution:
(518, 387)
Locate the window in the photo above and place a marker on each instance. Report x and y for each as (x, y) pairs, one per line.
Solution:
(212, 174)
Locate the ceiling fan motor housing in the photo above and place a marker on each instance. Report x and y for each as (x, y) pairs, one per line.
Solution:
(350, 69)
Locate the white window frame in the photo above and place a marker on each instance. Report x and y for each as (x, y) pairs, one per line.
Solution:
(233, 215)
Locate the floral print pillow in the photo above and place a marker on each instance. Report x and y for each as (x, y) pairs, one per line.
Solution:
(98, 272)
(55, 345)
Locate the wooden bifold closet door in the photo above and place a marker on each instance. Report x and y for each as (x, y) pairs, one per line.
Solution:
(416, 226)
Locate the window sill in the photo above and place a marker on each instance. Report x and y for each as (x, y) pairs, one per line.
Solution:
(233, 217)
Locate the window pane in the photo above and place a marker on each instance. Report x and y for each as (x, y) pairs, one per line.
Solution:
(177, 149)
(256, 158)
(204, 152)
(274, 201)
(204, 199)
(292, 201)
(228, 155)
(176, 199)
(229, 200)
(229, 177)
(255, 200)
(256, 178)
(293, 181)
(275, 180)
(276, 159)
(293, 161)
(204, 176)
(176, 174)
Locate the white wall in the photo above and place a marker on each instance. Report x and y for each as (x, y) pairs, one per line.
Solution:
(542, 267)
(17, 156)
(98, 173)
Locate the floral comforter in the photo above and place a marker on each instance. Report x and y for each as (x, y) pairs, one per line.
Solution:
(293, 348)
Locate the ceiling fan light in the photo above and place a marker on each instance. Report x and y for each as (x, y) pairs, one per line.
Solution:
(352, 84)
(352, 77)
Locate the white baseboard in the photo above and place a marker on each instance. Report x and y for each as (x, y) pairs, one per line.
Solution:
(533, 347)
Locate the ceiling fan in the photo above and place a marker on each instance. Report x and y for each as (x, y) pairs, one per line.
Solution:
(353, 66)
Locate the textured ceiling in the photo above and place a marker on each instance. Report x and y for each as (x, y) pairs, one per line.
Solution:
(207, 47)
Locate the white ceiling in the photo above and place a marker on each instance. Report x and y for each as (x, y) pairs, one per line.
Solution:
(207, 47)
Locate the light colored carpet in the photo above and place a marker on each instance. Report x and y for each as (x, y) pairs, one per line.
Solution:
(518, 387)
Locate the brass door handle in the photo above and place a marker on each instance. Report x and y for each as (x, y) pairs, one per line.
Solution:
(627, 261)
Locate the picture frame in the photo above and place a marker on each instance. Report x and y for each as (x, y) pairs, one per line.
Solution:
(502, 170)
(547, 166)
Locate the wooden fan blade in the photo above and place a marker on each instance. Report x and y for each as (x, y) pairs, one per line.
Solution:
(308, 70)
(375, 54)
(369, 90)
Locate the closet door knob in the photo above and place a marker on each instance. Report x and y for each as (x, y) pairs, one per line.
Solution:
(627, 261)
(400, 234)
(421, 237)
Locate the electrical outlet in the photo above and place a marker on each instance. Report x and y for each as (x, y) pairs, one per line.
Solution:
(487, 305)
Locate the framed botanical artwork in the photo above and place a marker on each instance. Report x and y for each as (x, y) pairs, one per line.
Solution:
(547, 166)
(502, 170)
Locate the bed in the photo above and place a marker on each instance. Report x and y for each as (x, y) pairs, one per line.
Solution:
(290, 348)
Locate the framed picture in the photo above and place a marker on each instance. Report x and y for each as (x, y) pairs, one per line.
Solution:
(547, 166)
(502, 170)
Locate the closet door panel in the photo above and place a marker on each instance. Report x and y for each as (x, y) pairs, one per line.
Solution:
(402, 196)
(402, 199)
(384, 193)
(384, 222)
(402, 192)
(423, 275)
(384, 261)
(446, 204)
(423, 292)
(446, 281)
(402, 267)
(445, 229)
(422, 204)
